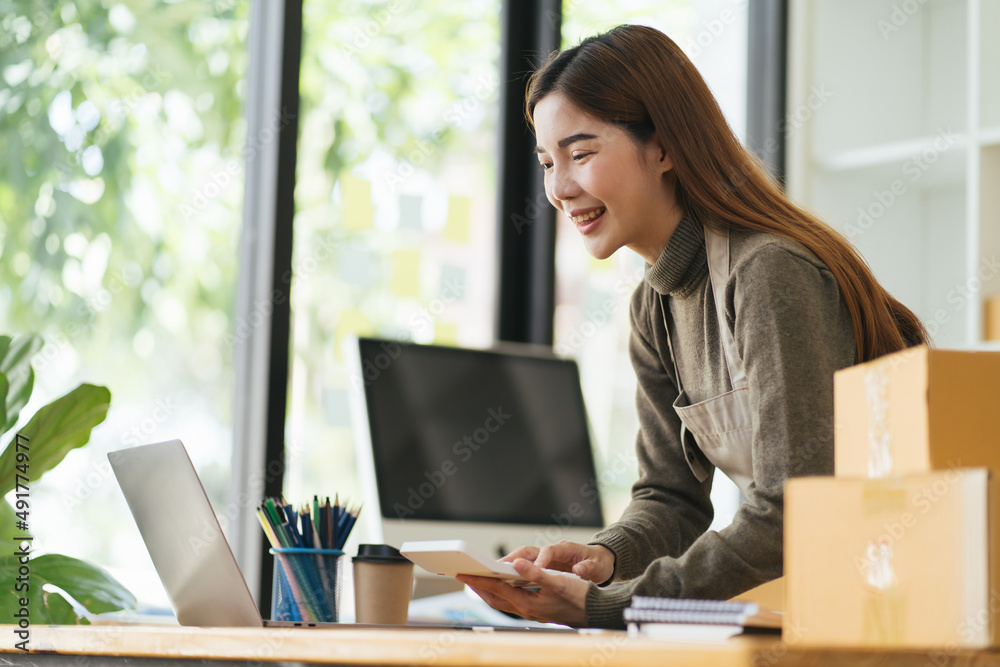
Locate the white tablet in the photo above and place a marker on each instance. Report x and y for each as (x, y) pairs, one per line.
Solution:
(453, 557)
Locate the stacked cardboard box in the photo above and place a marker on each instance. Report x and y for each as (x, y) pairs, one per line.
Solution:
(902, 547)
(993, 318)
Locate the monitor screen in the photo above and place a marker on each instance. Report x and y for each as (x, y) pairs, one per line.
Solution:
(477, 436)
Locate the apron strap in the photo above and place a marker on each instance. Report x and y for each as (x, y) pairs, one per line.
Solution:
(696, 459)
(717, 249)
(670, 345)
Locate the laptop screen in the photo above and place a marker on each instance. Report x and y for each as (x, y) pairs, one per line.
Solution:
(477, 436)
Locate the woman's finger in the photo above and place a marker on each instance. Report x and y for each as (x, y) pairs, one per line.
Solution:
(585, 569)
(493, 600)
(498, 594)
(530, 553)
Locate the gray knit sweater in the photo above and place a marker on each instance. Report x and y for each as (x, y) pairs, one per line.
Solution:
(792, 332)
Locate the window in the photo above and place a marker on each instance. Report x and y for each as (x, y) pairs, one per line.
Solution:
(396, 175)
(120, 201)
(120, 213)
(592, 297)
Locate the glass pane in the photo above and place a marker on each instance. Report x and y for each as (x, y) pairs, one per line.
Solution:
(120, 199)
(592, 297)
(395, 225)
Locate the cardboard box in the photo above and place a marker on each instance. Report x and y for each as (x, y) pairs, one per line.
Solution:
(901, 562)
(993, 318)
(917, 410)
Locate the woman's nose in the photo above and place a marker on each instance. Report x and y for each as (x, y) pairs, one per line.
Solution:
(563, 185)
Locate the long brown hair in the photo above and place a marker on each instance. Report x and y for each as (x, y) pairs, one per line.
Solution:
(638, 78)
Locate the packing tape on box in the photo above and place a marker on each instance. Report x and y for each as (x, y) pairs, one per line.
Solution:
(881, 496)
(883, 612)
(883, 617)
(879, 434)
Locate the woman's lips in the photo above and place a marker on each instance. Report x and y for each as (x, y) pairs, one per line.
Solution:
(589, 225)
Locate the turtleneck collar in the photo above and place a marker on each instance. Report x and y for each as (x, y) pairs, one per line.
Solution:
(683, 264)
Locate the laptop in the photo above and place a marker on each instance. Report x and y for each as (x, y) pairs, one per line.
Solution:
(184, 539)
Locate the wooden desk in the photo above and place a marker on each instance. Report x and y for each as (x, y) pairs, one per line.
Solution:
(156, 645)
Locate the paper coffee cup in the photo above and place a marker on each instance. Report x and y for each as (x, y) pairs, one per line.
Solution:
(383, 583)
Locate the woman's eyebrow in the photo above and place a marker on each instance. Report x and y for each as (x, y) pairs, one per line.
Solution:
(573, 138)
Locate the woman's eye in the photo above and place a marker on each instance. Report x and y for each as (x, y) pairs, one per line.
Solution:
(580, 156)
(545, 165)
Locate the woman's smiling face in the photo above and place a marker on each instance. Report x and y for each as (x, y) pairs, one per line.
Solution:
(612, 189)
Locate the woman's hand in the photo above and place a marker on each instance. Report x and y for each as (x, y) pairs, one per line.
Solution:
(587, 561)
(559, 599)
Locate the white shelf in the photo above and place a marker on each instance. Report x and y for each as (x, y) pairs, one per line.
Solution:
(989, 136)
(923, 210)
(989, 74)
(898, 152)
(872, 63)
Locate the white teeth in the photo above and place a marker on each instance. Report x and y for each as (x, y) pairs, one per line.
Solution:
(587, 216)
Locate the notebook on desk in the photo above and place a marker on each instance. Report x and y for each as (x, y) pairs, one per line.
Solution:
(671, 619)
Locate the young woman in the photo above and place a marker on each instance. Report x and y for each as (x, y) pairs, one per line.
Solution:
(748, 306)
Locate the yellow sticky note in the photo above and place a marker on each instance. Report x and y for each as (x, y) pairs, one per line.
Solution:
(456, 227)
(445, 334)
(405, 273)
(352, 322)
(356, 196)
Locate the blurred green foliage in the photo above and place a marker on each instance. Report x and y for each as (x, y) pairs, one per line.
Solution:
(121, 191)
(113, 118)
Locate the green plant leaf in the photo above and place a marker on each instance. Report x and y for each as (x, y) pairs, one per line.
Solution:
(15, 363)
(49, 607)
(62, 425)
(89, 585)
(4, 386)
(86, 583)
(44, 607)
(8, 523)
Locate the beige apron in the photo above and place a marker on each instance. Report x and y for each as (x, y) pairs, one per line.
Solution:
(718, 429)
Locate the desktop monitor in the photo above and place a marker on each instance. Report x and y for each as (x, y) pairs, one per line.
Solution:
(488, 446)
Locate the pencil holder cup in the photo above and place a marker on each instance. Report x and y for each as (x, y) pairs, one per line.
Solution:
(306, 584)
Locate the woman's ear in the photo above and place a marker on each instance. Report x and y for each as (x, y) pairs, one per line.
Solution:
(657, 158)
(665, 162)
